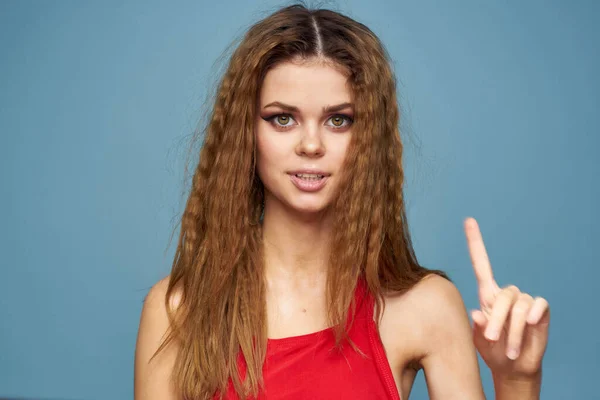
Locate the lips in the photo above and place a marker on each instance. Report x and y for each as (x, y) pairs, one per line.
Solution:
(309, 181)
(309, 172)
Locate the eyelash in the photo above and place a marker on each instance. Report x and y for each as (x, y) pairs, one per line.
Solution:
(271, 120)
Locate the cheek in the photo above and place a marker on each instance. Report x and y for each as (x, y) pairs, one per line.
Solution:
(339, 151)
(268, 157)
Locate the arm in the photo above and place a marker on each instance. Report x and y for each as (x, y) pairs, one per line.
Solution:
(152, 379)
(518, 389)
(510, 331)
(450, 359)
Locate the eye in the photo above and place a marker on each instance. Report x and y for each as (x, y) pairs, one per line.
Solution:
(279, 120)
(282, 121)
(338, 121)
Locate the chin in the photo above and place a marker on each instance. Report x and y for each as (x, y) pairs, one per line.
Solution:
(301, 203)
(309, 208)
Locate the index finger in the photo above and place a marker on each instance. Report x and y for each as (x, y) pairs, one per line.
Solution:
(479, 257)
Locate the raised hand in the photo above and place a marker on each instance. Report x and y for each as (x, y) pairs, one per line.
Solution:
(510, 330)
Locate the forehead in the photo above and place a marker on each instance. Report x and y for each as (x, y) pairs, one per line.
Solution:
(304, 83)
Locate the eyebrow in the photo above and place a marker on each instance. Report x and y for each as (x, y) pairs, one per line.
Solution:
(327, 109)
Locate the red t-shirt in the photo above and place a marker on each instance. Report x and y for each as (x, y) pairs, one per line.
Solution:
(307, 367)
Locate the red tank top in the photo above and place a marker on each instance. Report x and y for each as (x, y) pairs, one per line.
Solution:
(308, 367)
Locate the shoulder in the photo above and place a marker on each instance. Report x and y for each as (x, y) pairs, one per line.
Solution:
(154, 302)
(436, 301)
(432, 320)
(154, 319)
(152, 375)
(430, 312)
(432, 298)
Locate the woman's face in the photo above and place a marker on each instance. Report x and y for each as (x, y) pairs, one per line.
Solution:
(303, 129)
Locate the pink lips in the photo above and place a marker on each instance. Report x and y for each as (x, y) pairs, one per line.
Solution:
(308, 185)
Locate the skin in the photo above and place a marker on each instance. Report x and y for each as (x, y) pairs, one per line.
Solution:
(426, 328)
(296, 224)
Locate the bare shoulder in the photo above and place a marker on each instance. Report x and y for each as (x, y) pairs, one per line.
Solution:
(427, 328)
(426, 301)
(434, 298)
(431, 320)
(155, 299)
(416, 315)
(152, 377)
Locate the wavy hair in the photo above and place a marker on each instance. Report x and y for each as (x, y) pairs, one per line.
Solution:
(218, 264)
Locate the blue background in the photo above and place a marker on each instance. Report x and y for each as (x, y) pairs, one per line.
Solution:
(98, 100)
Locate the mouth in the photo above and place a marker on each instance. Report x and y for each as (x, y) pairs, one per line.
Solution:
(309, 177)
(309, 182)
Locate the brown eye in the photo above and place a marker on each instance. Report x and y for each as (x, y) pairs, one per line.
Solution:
(337, 120)
(283, 119)
(280, 121)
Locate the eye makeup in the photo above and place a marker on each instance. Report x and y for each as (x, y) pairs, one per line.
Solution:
(273, 120)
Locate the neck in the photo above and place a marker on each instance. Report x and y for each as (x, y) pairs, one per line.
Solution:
(296, 246)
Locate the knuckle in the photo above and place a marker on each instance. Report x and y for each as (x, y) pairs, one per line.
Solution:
(521, 307)
(513, 289)
(526, 298)
(542, 300)
(508, 293)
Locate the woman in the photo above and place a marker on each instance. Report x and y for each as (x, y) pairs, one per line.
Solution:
(294, 276)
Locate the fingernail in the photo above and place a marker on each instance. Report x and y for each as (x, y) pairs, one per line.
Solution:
(492, 334)
(513, 353)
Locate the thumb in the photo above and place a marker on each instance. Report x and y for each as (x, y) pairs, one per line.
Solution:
(479, 319)
(480, 322)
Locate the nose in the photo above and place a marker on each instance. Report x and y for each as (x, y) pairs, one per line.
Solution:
(310, 143)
